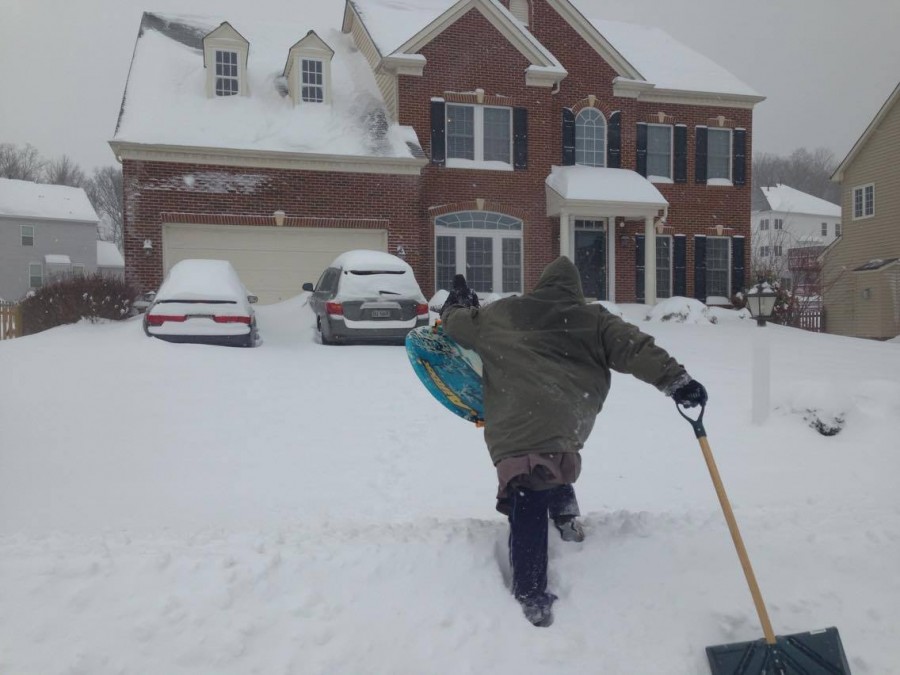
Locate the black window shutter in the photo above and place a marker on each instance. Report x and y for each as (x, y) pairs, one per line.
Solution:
(700, 156)
(738, 156)
(700, 267)
(639, 260)
(642, 148)
(438, 132)
(680, 169)
(679, 265)
(737, 264)
(520, 138)
(614, 141)
(568, 137)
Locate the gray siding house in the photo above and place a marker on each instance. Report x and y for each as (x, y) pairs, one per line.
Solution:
(46, 231)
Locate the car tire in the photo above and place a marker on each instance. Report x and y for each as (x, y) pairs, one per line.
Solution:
(322, 337)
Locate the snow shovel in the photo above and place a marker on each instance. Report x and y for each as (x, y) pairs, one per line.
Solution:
(817, 652)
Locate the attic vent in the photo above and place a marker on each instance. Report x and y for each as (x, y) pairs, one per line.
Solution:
(519, 9)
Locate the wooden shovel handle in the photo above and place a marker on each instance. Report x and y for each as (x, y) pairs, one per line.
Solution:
(738, 541)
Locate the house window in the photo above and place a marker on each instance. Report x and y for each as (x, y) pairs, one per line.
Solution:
(78, 270)
(864, 201)
(663, 266)
(779, 224)
(27, 232)
(484, 246)
(718, 266)
(479, 133)
(778, 250)
(718, 155)
(659, 151)
(837, 229)
(590, 138)
(35, 275)
(824, 229)
(312, 81)
(764, 251)
(226, 73)
(764, 224)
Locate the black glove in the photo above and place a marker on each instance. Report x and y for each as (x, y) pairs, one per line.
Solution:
(460, 294)
(691, 394)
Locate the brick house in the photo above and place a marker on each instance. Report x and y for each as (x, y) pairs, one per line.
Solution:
(482, 137)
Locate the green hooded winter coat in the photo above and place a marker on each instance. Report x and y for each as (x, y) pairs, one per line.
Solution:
(547, 358)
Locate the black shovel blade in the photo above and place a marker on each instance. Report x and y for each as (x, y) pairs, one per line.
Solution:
(818, 652)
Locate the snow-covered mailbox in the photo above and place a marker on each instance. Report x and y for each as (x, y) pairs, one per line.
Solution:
(45, 231)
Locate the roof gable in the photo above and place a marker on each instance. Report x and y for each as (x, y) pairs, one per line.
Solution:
(883, 112)
(223, 34)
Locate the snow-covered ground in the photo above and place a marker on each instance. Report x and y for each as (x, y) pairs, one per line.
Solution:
(298, 508)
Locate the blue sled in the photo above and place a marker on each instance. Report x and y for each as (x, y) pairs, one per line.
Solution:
(450, 372)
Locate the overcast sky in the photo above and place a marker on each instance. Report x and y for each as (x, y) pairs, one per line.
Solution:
(825, 66)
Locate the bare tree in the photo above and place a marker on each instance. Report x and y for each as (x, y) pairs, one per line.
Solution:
(21, 163)
(802, 170)
(104, 189)
(64, 171)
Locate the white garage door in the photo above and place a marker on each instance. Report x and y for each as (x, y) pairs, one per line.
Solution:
(273, 262)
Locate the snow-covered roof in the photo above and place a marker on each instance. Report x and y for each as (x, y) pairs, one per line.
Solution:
(166, 102)
(785, 199)
(57, 259)
(365, 260)
(108, 255)
(667, 63)
(23, 198)
(590, 183)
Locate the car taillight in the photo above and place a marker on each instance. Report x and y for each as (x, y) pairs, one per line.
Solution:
(160, 319)
(421, 309)
(334, 308)
(232, 319)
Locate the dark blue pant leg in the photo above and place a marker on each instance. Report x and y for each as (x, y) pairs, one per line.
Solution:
(528, 542)
(562, 501)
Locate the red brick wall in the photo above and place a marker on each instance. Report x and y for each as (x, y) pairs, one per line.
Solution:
(155, 188)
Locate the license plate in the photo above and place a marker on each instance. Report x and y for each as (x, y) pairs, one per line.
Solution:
(381, 314)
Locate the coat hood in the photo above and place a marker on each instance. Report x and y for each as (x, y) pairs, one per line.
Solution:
(560, 280)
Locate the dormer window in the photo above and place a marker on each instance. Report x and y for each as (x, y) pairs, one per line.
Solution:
(308, 70)
(227, 82)
(225, 54)
(312, 81)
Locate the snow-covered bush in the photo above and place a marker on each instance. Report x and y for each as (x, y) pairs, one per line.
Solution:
(70, 300)
(681, 310)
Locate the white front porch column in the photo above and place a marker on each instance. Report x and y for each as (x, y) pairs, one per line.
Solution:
(565, 236)
(649, 261)
(611, 257)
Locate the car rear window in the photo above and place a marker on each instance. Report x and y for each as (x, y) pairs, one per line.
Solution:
(366, 283)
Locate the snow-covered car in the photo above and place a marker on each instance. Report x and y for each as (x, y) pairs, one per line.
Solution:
(203, 301)
(368, 296)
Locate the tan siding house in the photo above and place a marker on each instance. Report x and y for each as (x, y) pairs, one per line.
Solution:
(862, 269)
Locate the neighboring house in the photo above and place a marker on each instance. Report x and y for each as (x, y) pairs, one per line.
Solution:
(862, 269)
(783, 220)
(110, 262)
(46, 231)
(481, 137)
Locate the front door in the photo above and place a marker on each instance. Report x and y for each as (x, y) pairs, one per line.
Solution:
(590, 257)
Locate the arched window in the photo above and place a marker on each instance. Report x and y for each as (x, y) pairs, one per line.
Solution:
(485, 246)
(590, 138)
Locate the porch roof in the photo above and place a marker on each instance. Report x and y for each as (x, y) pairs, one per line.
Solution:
(602, 192)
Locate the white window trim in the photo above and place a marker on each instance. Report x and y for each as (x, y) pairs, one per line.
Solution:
(459, 235)
(326, 77)
(670, 177)
(721, 182)
(22, 235)
(671, 264)
(213, 45)
(478, 130)
(605, 150)
(31, 276)
(862, 189)
(728, 264)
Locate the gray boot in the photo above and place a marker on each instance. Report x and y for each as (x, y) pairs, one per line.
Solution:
(570, 528)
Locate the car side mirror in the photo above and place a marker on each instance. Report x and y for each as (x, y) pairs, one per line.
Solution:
(252, 299)
(308, 287)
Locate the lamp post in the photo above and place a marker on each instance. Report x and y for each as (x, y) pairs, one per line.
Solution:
(761, 303)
